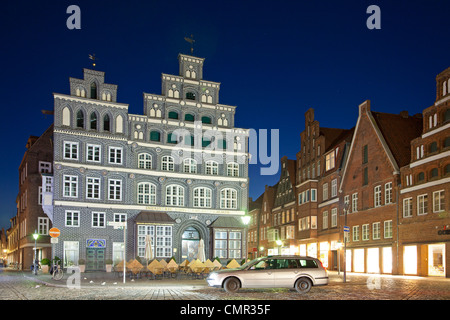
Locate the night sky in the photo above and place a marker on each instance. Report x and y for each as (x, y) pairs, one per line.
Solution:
(274, 60)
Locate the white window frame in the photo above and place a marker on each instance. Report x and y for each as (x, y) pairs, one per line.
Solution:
(72, 152)
(167, 163)
(70, 182)
(365, 232)
(115, 155)
(115, 189)
(189, 165)
(325, 191)
(313, 195)
(407, 208)
(439, 201)
(377, 196)
(334, 217)
(334, 188)
(388, 229)
(422, 204)
(43, 225)
(146, 193)
(355, 202)
(202, 197)
(232, 169)
(228, 198)
(120, 217)
(175, 195)
(388, 193)
(72, 214)
(211, 168)
(93, 153)
(330, 161)
(144, 161)
(93, 188)
(355, 233)
(376, 231)
(45, 167)
(101, 220)
(325, 220)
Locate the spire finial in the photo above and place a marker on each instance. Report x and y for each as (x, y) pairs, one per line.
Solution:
(94, 59)
(191, 41)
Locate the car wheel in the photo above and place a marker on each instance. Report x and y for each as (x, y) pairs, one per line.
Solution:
(231, 285)
(303, 285)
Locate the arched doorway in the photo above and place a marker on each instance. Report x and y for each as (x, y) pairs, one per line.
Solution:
(190, 240)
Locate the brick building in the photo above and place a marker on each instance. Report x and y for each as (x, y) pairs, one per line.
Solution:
(30, 217)
(424, 220)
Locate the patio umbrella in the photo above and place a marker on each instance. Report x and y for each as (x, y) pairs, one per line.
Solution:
(148, 248)
(201, 251)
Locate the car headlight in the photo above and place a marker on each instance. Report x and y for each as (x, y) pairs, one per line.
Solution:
(213, 275)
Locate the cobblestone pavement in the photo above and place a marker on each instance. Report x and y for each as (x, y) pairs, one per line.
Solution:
(16, 285)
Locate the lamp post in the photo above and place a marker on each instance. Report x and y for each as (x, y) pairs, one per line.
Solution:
(35, 237)
(346, 205)
(246, 220)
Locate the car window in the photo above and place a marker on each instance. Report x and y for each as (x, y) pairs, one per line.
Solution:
(286, 264)
(264, 264)
(307, 263)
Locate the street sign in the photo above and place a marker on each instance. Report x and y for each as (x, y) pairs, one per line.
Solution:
(117, 225)
(54, 232)
(346, 229)
(54, 240)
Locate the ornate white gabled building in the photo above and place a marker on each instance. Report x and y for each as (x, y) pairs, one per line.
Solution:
(178, 172)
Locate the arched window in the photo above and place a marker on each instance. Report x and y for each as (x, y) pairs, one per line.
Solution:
(447, 169)
(421, 177)
(119, 124)
(106, 123)
(66, 117)
(93, 121)
(206, 120)
(202, 197)
(228, 199)
(172, 138)
(173, 115)
(190, 95)
(434, 173)
(232, 169)
(93, 90)
(447, 142)
(167, 163)
(146, 193)
(212, 167)
(155, 136)
(144, 161)
(80, 119)
(189, 166)
(174, 195)
(189, 117)
(433, 147)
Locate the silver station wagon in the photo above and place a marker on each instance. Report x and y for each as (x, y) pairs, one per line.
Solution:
(296, 272)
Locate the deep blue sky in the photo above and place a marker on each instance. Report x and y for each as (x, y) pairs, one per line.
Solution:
(274, 60)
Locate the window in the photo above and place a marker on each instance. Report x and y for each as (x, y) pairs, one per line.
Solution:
(93, 121)
(144, 161)
(70, 186)
(232, 169)
(434, 173)
(163, 245)
(43, 226)
(174, 195)
(228, 199)
(70, 150)
(167, 163)
(71, 253)
(227, 244)
(80, 119)
(325, 191)
(190, 95)
(146, 193)
(407, 207)
(115, 189)
(173, 115)
(447, 142)
(45, 167)
(120, 217)
(334, 217)
(212, 168)
(93, 90)
(421, 177)
(365, 232)
(433, 147)
(376, 231)
(172, 138)
(98, 220)
(155, 136)
(206, 120)
(314, 195)
(355, 232)
(388, 229)
(334, 188)
(106, 123)
(189, 166)
(366, 176)
(72, 219)
(92, 188)
(438, 201)
(202, 197)
(143, 231)
(377, 196)
(115, 155)
(365, 155)
(93, 153)
(325, 220)
(189, 117)
(330, 161)
(388, 193)
(422, 204)
(355, 202)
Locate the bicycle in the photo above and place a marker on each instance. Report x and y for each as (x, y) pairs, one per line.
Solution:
(56, 271)
(35, 267)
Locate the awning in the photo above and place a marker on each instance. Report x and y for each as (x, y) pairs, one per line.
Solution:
(153, 217)
(227, 222)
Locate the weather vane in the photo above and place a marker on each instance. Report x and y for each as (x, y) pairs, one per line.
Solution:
(94, 59)
(191, 41)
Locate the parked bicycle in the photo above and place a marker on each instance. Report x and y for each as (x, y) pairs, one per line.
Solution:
(56, 270)
(35, 267)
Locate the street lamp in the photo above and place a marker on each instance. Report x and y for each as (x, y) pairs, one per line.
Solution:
(35, 237)
(246, 220)
(346, 205)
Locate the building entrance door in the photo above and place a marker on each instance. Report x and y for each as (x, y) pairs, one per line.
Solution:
(95, 259)
(436, 260)
(189, 243)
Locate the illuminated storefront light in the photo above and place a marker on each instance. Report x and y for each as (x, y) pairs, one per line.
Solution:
(373, 260)
(410, 260)
(358, 260)
(387, 260)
